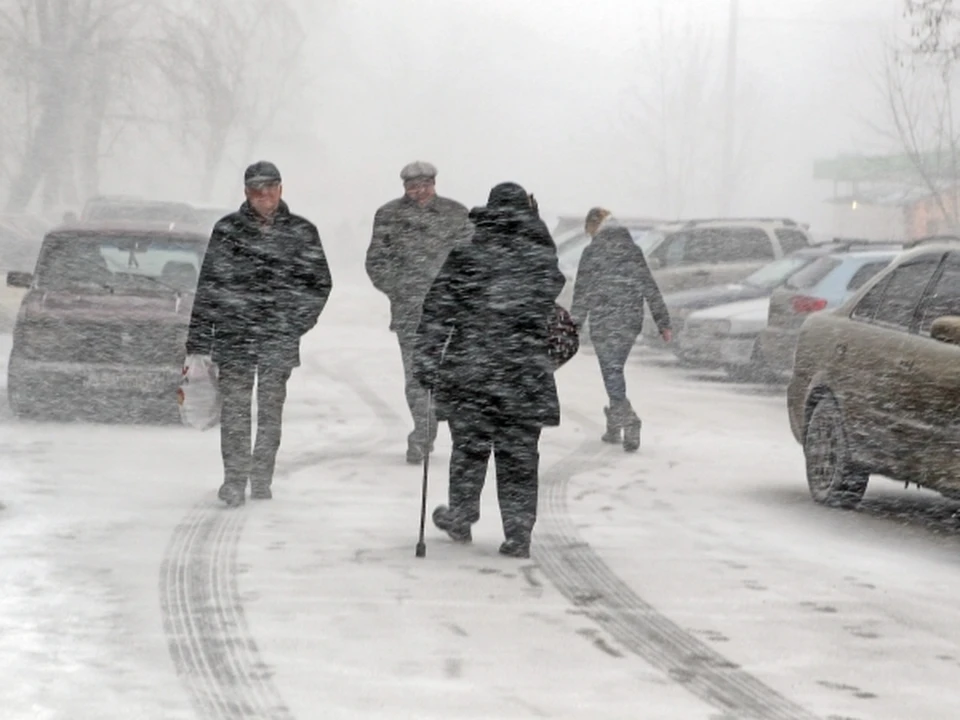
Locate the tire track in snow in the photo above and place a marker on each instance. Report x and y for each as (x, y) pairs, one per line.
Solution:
(579, 573)
(207, 633)
(213, 651)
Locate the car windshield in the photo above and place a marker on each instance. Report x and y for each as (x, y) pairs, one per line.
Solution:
(774, 274)
(128, 264)
(812, 273)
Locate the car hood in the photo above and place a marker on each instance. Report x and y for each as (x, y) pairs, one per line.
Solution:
(107, 307)
(711, 296)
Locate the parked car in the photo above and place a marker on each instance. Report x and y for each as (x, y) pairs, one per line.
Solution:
(876, 382)
(104, 319)
(123, 208)
(726, 336)
(18, 252)
(759, 284)
(702, 253)
(205, 217)
(827, 283)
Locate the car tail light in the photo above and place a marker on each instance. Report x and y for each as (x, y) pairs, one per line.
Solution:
(803, 304)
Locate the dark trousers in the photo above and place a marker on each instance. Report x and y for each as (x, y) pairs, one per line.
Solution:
(240, 461)
(613, 350)
(516, 449)
(422, 435)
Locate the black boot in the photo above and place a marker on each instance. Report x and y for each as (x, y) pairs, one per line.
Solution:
(444, 520)
(612, 435)
(515, 547)
(233, 494)
(631, 424)
(260, 491)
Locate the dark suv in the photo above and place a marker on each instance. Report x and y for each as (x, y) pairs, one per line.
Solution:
(104, 319)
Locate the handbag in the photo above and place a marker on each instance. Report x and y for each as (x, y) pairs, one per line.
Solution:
(563, 337)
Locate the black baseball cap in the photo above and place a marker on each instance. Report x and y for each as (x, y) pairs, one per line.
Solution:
(261, 174)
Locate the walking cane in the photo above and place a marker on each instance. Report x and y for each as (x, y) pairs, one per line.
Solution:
(421, 545)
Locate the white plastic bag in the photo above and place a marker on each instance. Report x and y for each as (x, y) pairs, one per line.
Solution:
(199, 393)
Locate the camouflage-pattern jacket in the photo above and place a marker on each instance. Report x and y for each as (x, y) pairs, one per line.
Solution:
(410, 244)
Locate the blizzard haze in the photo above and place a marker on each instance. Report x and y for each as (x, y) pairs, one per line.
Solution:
(610, 102)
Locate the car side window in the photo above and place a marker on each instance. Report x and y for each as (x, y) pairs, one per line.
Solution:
(903, 292)
(867, 307)
(865, 273)
(671, 251)
(791, 240)
(701, 249)
(944, 298)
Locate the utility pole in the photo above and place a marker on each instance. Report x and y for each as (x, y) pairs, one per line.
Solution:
(730, 90)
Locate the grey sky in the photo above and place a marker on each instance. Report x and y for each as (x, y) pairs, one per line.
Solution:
(540, 92)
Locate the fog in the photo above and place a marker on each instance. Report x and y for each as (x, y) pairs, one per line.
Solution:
(612, 102)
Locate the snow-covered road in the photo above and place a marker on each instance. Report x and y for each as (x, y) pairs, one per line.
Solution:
(694, 579)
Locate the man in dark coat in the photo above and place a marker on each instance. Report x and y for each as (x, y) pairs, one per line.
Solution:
(613, 282)
(263, 283)
(482, 347)
(411, 239)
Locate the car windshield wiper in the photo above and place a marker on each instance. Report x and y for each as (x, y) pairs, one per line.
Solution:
(175, 290)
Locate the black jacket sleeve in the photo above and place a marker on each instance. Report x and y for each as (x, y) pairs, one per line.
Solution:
(438, 321)
(312, 281)
(204, 314)
(651, 293)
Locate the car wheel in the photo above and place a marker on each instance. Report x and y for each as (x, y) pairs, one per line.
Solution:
(831, 475)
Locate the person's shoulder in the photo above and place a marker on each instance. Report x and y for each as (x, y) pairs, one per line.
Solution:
(449, 205)
(299, 222)
(390, 207)
(229, 224)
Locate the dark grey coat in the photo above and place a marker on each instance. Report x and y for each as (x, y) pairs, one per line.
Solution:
(261, 288)
(613, 281)
(408, 247)
(482, 339)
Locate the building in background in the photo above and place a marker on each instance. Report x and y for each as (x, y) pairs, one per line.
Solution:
(888, 197)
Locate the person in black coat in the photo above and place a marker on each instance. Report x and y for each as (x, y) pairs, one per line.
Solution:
(482, 349)
(613, 282)
(263, 283)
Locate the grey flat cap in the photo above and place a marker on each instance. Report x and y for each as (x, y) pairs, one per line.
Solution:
(261, 174)
(418, 171)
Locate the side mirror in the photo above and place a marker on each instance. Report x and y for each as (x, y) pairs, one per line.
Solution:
(946, 329)
(17, 279)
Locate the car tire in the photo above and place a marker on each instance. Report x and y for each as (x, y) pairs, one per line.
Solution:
(833, 478)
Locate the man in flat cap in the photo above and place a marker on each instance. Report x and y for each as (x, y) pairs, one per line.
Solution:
(263, 284)
(412, 236)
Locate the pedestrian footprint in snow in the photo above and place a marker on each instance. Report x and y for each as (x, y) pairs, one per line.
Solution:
(482, 349)
(263, 283)
(411, 239)
(613, 282)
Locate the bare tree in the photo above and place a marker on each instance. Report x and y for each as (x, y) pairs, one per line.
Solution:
(675, 110)
(232, 67)
(935, 27)
(66, 52)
